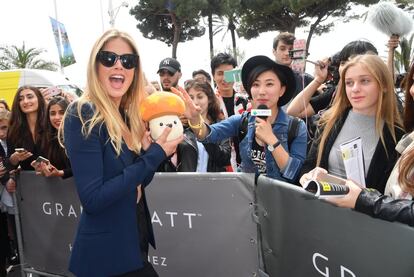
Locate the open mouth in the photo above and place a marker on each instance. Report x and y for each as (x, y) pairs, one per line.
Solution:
(117, 80)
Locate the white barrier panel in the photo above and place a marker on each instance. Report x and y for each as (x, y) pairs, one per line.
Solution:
(202, 223)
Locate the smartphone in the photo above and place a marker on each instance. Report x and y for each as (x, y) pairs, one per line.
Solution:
(54, 91)
(231, 76)
(42, 159)
(298, 55)
(19, 150)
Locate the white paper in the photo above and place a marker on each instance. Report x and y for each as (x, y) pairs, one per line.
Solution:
(354, 161)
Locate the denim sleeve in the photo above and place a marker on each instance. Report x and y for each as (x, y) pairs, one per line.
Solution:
(297, 154)
(224, 129)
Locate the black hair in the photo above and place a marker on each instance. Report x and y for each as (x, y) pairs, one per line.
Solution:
(3, 101)
(356, 47)
(222, 58)
(54, 151)
(259, 70)
(203, 72)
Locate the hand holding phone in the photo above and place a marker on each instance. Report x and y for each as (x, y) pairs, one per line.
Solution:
(54, 91)
(42, 159)
(19, 150)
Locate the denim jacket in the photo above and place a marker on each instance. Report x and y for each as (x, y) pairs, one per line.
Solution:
(297, 154)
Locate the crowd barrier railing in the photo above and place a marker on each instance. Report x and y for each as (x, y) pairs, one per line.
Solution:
(222, 224)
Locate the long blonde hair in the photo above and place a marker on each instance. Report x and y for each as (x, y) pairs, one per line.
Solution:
(105, 109)
(386, 109)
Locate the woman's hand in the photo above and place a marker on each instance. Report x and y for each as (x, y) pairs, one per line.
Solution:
(146, 140)
(169, 147)
(264, 131)
(321, 71)
(17, 157)
(36, 166)
(349, 200)
(192, 111)
(312, 175)
(46, 169)
(49, 170)
(393, 42)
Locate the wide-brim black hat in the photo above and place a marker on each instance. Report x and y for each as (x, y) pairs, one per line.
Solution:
(289, 76)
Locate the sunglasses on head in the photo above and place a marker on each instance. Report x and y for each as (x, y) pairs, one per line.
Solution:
(109, 59)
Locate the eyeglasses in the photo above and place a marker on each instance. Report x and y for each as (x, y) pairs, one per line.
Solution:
(108, 59)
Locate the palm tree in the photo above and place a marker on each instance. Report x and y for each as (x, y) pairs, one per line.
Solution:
(227, 23)
(12, 57)
(406, 55)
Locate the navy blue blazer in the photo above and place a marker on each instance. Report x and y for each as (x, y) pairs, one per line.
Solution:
(107, 239)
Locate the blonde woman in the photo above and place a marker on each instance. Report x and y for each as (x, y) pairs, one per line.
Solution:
(112, 160)
(365, 107)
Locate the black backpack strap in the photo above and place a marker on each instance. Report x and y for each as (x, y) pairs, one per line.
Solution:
(293, 129)
(243, 126)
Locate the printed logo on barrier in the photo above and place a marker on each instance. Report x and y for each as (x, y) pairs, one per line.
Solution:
(59, 209)
(170, 219)
(319, 261)
(157, 260)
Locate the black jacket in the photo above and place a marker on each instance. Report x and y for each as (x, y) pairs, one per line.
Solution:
(218, 154)
(187, 155)
(373, 203)
(381, 164)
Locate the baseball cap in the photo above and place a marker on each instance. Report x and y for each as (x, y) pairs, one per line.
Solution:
(170, 64)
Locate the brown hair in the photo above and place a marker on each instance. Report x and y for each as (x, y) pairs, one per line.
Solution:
(213, 111)
(3, 101)
(408, 115)
(406, 172)
(286, 37)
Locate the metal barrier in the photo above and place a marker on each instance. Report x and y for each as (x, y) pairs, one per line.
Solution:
(204, 226)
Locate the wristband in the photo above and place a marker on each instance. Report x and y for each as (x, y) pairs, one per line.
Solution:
(197, 126)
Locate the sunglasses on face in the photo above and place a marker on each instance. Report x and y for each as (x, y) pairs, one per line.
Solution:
(109, 59)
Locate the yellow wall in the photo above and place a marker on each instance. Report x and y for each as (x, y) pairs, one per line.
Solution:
(9, 83)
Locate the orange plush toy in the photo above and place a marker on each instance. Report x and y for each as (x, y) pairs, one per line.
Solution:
(162, 109)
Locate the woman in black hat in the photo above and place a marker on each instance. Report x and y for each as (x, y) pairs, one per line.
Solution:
(264, 148)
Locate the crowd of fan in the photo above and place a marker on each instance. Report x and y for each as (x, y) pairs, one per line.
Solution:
(29, 129)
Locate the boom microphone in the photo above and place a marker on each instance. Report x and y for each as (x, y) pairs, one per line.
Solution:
(390, 20)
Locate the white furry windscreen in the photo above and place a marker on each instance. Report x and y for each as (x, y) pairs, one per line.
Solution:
(390, 20)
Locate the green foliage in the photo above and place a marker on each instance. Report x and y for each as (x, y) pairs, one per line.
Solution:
(170, 21)
(287, 15)
(66, 61)
(12, 57)
(405, 56)
(223, 17)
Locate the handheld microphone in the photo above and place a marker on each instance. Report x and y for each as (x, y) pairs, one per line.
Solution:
(262, 112)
